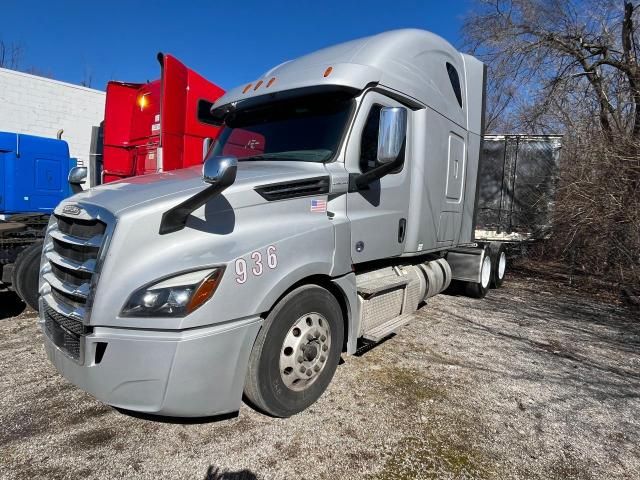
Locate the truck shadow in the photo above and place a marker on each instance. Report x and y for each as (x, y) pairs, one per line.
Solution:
(575, 342)
(219, 216)
(10, 305)
(364, 346)
(214, 473)
(178, 420)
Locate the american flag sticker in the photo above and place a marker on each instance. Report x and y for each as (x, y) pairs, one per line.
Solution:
(319, 206)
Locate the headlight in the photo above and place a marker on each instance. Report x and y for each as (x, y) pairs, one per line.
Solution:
(174, 297)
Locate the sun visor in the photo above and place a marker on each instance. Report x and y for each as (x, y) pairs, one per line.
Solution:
(291, 80)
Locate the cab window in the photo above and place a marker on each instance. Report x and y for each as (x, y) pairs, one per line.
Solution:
(454, 78)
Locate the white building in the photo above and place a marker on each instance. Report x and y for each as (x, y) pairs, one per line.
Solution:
(41, 106)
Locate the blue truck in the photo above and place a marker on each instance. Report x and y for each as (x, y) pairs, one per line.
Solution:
(33, 180)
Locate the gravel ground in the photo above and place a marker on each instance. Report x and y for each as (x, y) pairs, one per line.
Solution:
(535, 381)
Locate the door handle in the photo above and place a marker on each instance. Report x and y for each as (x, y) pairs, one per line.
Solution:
(402, 229)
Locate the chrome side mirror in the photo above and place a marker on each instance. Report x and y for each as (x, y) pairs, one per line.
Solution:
(391, 133)
(77, 177)
(220, 171)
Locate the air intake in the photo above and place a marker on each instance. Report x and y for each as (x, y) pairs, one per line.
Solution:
(294, 189)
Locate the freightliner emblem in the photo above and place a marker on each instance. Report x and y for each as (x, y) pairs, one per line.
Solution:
(71, 210)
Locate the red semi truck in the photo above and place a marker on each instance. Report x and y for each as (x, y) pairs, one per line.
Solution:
(154, 126)
(148, 127)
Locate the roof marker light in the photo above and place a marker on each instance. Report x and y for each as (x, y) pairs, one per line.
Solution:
(327, 72)
(246, 89)
(258, 85)
(270, 82)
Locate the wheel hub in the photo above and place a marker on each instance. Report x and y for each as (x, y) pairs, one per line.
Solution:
(310, 351)
(304, 352)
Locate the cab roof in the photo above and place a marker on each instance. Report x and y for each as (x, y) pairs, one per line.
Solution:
(410, 61)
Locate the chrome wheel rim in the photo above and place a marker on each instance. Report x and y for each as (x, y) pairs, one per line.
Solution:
(486, 271)
(502, 265)
(304, 352)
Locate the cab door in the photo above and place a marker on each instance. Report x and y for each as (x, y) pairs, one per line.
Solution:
(378, 213)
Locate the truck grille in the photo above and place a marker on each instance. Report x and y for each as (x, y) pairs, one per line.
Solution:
(80, 228)
(75, 252)
(64, 332)
(74, 327)
(71, 253)
(70, 276)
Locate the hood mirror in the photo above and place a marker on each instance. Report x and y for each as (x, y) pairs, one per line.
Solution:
(77, 177)
(220, 170)
(206, 146)
(219, 173)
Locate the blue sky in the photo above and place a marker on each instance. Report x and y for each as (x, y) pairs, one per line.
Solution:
(228, 42)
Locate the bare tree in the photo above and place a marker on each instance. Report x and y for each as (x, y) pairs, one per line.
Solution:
(87, 77)
(548, 51)
(572, 66)
(10, 55)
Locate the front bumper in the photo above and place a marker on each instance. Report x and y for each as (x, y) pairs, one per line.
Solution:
(189, 373)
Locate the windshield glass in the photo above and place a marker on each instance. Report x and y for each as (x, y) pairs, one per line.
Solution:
(305, 129)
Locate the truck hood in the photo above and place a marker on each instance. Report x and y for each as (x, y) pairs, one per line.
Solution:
(180, 184)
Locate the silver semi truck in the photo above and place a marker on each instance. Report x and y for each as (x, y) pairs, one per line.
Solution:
(339, 196)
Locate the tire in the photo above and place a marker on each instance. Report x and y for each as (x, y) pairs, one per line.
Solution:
(26, 273)
(480, 289)
(275, 382)
(498, 264)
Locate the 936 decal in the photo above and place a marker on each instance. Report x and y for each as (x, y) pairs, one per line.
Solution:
(257, 264)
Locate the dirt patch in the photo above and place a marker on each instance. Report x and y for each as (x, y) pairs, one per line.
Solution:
(409, 385)
(424, 457)
(535, 381)
(90, 439)
(435, 448)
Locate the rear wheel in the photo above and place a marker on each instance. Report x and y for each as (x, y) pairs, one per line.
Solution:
(26, 274)
(296, 352)
(480, 289)
(498, 264)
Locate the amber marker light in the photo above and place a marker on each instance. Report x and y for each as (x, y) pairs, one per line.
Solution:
(258, 85)
(246, 89)
(143, 101)
(270, 82)
(205, 290)
(327, 72)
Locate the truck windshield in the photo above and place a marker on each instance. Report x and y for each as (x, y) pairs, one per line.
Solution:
(307, 129)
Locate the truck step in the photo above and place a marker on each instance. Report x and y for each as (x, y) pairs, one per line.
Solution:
(381, 284)
(381, 331)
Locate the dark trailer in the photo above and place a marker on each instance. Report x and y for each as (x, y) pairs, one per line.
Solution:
(517, 187)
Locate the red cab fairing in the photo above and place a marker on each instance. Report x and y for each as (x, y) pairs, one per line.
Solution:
(153, 126)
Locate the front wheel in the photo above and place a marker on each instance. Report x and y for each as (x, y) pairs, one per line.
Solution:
(26, 272)
(296, 352)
